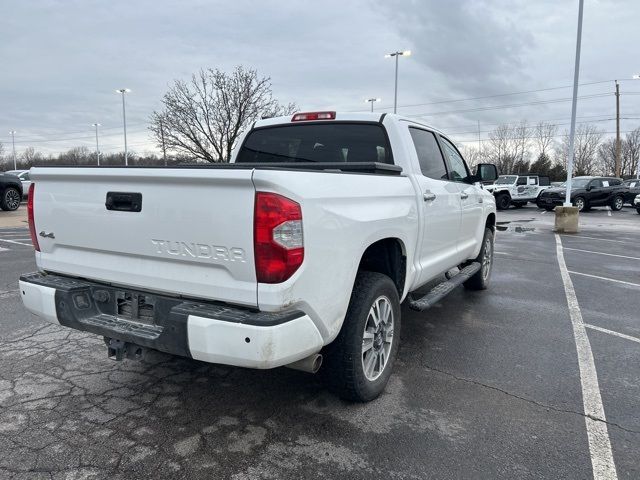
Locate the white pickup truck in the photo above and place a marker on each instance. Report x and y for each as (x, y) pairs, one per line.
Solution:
(298, 253)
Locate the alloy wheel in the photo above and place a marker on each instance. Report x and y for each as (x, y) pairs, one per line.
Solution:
(377, 338)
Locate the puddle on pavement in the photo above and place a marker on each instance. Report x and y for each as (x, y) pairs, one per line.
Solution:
(506, 227)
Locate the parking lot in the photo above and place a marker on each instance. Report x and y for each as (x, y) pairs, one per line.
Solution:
(488, 384)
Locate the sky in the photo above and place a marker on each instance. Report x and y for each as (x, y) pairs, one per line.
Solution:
(61, 61)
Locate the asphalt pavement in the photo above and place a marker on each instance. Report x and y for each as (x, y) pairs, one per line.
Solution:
(487, 384)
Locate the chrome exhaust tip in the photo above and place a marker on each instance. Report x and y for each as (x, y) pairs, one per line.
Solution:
(310, 364)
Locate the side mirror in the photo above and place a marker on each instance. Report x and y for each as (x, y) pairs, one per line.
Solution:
(589, 187)
(486, 172)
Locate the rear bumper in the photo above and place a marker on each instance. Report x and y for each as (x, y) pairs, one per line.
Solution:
(201, 330)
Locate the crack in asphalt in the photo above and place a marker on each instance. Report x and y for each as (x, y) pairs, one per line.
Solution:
(529, 400)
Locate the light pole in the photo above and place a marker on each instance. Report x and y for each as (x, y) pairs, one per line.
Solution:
(405, 53)
(97, 147)
(372, 101)
(637, 77)
(124, 122)
(13, 141)
(574, 104)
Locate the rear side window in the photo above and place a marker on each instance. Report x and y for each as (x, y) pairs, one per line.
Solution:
(431, 161)
(521, 181)
(312, 142)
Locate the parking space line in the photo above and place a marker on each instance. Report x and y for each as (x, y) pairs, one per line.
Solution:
(605, 278)
(570, 235)
(543, 212)
(611, 332)
(3, 249)
(601, 253)
(17, 243)
(595, 420)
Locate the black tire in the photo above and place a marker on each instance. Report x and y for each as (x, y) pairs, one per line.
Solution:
(617, 203)
(638, 210)
(503, 200)
(10, 199)
(343, 367)
(548, 208)
(480, 281)
(576, 203)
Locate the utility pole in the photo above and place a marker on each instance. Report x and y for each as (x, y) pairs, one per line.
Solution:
(618, 163)
(164, 150)
(97, 147)
(13, 140)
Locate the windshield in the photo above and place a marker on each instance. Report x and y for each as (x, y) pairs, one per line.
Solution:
(506, 179)
(313, 142)
(577, 183)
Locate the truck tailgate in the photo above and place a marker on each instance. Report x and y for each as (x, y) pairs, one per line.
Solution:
(193, 235)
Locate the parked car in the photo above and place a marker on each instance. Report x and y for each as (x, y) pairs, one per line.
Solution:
(517, 190)
(636, 203)
(10, 192)
(586, 192)
(296, 253)
(634, 190)
(23, 175)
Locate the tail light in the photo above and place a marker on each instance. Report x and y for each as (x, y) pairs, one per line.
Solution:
(277, 237)
(302, 117)
(30, 216)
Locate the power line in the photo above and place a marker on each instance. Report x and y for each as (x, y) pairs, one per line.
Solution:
(512, 105)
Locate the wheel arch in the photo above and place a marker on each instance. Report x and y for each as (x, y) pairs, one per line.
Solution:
(389, 257)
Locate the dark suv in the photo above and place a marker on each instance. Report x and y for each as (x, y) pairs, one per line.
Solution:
(634, 189)
(587, 192)
(10, 192)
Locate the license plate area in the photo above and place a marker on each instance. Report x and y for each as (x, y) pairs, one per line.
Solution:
(135, 306)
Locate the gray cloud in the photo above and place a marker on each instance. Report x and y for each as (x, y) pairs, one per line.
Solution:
(62, 60)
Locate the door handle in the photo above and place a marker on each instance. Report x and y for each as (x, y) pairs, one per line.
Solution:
(464, 195)
(428, 196)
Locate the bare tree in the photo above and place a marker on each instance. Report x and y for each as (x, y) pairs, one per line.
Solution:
(586, 144)
(29, 157)
(543, 135)
(509, 146)
(204, 117)
(607, 157)
(631, 153)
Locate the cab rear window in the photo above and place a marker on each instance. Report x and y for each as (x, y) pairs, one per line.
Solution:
(317, 142)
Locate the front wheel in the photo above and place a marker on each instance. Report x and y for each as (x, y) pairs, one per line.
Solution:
(358, 363)
(581, 203)
(617, 203)
(10, 199)
(480, 280)
(503, 201)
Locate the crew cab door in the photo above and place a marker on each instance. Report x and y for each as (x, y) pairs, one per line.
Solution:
(471, 225)
(439, 208)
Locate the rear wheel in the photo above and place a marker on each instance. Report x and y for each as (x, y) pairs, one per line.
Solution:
(10, 199)
(617, 203)
(503, 200)
(480, 280)
(358, 363)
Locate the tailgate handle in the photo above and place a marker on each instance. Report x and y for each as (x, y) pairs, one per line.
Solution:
(124, 201)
